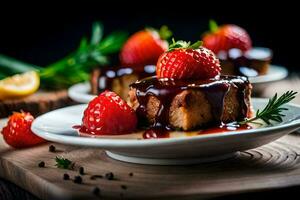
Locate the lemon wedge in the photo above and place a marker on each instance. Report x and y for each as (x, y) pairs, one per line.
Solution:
(19, 85)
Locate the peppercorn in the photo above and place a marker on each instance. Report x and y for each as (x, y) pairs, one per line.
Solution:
(66, 177)
(96, 191)
(41, 164)
(81, 171)
(52, 148)
(109, 176)
(78, 179)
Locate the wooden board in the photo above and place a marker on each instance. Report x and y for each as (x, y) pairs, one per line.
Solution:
(38, 103)
(272, 166)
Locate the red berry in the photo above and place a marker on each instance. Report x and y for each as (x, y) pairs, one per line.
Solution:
(227, 37)
(17, 132)
(143, 48)
(186, 63)
(108, 114)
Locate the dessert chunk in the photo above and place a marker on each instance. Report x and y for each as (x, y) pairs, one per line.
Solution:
(190, 104)
(253, 62)
(118, 79)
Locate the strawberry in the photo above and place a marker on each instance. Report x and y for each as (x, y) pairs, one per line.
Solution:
(226, 37)
(17, 132)
(185, 61)
(108, 114)
(144, 47)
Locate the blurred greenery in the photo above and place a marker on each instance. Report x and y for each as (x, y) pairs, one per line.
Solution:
(76, 66)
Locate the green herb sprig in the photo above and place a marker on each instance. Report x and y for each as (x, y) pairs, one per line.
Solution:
(76, 66)
(64, 163)
(273, 110)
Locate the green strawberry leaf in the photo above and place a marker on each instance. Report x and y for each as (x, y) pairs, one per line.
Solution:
(164, 32)
(213, 26)
(184, 45)
(196, 45)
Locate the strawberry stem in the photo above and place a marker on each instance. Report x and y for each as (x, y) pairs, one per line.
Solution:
(184, 45)
(164, 32)
(213, 26)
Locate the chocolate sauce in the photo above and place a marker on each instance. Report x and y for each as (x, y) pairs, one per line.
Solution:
(76, 127)
(161, 133)
(226, 128)
(246, 63)
(165, 90)
(108, 74)
(155, 134)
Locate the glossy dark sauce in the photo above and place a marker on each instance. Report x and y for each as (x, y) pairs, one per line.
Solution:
(165, 90)
(226, 128)
(108, 74)
(77, 127)
(155, 134)
(242, 61)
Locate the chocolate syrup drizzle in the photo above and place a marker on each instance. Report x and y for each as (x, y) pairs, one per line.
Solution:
(165, 90)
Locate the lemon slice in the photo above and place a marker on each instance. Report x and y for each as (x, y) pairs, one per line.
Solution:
(19, 85)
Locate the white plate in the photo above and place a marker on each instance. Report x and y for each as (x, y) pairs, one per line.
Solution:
(81, 92)
(57, 126)
(275, 73)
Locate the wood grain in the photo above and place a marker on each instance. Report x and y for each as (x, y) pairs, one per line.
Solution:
(36, 104)
(9, 191)
(269, 167)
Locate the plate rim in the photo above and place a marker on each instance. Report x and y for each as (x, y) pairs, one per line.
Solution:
(85, 86)
(108, 142)
(271, 77)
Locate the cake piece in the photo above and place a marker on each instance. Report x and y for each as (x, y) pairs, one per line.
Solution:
(118, 79)
(253, 62)
(190, 104)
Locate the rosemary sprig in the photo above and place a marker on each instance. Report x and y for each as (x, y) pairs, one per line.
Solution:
(273, 110)
(64, 163)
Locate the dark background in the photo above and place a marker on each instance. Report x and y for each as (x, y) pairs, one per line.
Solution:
(43, 32)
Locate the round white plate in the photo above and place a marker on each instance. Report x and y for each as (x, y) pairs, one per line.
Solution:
(57, 125)
(275, 73)
(81, 92)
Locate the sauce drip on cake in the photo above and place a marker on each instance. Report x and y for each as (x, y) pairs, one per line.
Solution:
(167, 96)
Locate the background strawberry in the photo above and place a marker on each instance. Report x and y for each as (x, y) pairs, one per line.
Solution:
(144, 47)
(17, 132)
(108, 114)
(226, 37)
(185, 61)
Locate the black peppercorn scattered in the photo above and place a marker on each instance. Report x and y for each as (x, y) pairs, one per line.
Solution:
(81, 170)
(66, 177)
(78, 179)
(41, 164)
(96, 191)
(93, 177)
(130, 174)
(124, 187)
(51, 148)
(109, 176)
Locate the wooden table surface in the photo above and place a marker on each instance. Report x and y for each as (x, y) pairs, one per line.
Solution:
(274, 166)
